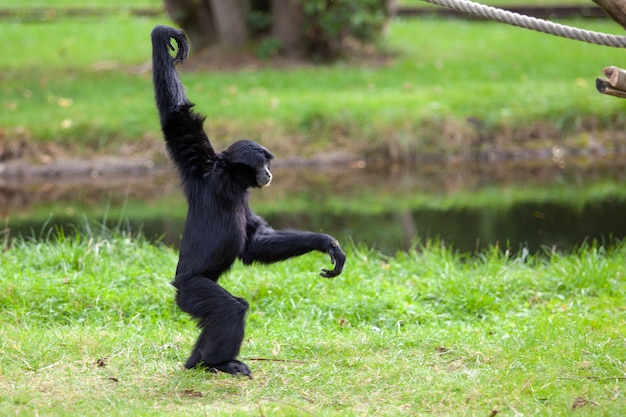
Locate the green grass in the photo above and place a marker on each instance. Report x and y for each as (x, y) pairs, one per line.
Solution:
(109, 4)
(88, 326)
(85, 84)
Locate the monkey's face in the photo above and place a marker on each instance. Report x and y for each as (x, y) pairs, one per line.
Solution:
(249, 163)
(263, 175)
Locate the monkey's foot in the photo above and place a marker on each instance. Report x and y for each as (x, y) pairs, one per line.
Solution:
(233, 367)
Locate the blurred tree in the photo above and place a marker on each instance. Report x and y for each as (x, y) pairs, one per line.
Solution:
(317, 29)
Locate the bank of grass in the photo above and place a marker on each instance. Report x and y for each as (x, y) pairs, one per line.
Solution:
(84, 84)
(88, 327)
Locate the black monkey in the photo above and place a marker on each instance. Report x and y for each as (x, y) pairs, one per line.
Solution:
(220, 226)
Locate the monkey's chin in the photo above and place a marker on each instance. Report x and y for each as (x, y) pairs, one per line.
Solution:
(263, 184)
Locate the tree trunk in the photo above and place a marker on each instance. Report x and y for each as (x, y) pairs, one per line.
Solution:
(287, 22)
(195, 18)
(614, 8)
(230, 22)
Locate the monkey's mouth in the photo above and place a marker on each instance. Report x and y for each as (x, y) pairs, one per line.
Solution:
(263, 179)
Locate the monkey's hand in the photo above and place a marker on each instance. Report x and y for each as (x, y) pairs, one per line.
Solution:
(163, 35)
(182, 46)
(337, 257)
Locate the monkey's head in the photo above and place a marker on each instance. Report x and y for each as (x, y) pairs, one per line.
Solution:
(249, 163)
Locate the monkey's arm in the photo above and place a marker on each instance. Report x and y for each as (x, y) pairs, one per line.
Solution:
(168, 89)
(185, 138)
(266, 245)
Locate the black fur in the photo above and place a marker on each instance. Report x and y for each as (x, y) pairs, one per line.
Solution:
(220, 226)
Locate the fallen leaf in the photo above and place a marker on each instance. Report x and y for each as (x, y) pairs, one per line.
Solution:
(191, 393)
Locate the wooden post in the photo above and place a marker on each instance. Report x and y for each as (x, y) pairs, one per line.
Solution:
(616, 76)
(616, 9)
(615, 85)
(604, 86)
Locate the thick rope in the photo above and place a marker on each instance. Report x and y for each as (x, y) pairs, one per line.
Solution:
(531, 23)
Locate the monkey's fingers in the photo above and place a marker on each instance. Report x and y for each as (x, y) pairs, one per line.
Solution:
(331, 273)
(327, 273)
(182, 53)
(338, 258)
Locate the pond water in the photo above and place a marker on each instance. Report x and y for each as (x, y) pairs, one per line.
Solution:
(554, 204)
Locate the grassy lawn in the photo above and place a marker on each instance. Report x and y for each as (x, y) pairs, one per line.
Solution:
(84, 84)
(88, 326)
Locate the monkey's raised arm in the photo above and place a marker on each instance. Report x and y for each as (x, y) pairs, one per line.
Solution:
(168, 89)
(185, 138)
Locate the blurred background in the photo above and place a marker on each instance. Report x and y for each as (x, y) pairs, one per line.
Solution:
(392, 122)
